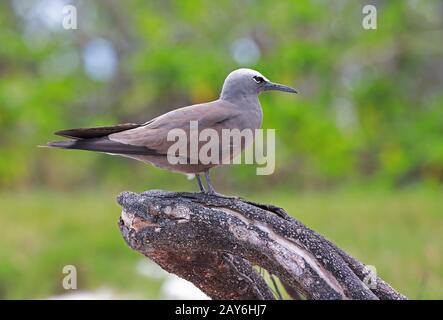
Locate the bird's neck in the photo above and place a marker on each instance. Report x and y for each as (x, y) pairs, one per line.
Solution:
(243, 100)
(250, 105)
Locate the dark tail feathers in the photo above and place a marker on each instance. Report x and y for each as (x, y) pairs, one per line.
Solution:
(97, 132)
(68, 144)
(103, 145)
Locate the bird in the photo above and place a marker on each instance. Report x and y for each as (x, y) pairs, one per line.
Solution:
(237, 107)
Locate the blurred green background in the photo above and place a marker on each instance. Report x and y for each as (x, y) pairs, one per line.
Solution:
(359, 150)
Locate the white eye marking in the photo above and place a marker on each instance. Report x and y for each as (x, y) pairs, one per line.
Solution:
(258, 79)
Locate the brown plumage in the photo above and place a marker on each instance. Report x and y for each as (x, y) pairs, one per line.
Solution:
(148, 142)
(237, 108)
(86, 133)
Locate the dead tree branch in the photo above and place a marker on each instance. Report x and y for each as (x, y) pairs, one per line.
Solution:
(214, 242)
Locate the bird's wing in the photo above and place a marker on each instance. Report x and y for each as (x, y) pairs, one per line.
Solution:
(151, 138)
(216, 115)
(97, 132)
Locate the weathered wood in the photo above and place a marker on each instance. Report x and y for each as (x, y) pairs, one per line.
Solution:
(214, 241)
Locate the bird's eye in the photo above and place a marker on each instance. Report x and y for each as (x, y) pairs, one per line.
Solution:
(258, 79)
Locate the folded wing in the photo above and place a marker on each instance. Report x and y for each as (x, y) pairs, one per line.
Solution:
(150, 138)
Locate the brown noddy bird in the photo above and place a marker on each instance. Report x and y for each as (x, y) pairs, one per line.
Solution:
(237, 108)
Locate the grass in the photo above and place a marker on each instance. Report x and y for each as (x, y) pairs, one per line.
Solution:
(400, 233)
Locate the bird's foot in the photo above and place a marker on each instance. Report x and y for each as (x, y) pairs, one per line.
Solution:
(216, 194)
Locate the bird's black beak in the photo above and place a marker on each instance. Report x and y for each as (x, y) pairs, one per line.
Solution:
(277, 87)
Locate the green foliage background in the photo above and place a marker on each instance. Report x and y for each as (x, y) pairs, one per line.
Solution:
(369, 117)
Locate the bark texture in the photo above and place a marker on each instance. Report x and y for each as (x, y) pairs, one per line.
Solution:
(214, 242)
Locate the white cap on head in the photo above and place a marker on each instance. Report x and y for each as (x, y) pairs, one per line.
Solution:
(245, 82)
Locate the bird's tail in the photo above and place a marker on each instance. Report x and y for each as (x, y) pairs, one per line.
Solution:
(67, 144)
(102, 145)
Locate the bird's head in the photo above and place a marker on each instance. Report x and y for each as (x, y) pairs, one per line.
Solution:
(245, 82)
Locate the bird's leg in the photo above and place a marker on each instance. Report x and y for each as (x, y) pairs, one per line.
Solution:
(208, 181)
(211, 189)
(199, 181)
